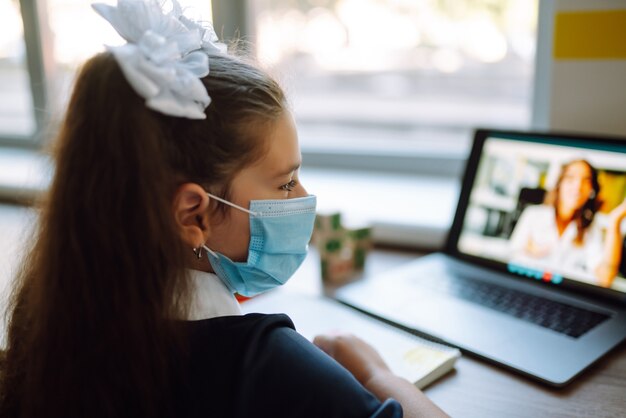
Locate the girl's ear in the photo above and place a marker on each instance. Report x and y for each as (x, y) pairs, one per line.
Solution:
(191, 214)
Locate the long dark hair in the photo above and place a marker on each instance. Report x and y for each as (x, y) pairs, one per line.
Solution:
(91, 322)
(584, 215)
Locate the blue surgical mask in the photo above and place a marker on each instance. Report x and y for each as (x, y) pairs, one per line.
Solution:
(280, 231)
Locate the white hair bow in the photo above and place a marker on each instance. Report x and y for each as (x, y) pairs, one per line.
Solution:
(165, 57)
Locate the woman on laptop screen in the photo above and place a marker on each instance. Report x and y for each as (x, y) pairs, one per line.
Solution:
(564, 233)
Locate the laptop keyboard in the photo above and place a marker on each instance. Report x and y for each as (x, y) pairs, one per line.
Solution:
(557, 316)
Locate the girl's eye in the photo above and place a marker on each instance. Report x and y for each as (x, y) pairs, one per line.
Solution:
(289, 186)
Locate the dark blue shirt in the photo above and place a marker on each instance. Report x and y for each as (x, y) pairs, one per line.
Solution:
(257, 365)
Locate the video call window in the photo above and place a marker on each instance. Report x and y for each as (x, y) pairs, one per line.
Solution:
(549, 209)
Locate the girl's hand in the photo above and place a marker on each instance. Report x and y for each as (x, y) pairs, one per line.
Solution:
(360, 358)
(364, 362)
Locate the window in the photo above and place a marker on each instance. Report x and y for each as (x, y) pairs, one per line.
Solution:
(400, 76)
(373, 83)
(16, 108)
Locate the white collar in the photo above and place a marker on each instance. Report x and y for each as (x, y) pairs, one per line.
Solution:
(210, 297)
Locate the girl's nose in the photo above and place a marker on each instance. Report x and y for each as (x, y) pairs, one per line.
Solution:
(301, 191)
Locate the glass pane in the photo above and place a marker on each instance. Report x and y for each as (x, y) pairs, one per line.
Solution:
(79, 32)
(16, 107)
(414, 73)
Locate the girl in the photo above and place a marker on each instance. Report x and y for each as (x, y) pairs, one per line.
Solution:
(174, 188)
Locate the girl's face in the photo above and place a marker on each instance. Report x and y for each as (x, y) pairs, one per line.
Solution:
(275, 176)
(575, 187)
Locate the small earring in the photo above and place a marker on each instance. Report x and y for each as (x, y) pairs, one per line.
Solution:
(197, 252)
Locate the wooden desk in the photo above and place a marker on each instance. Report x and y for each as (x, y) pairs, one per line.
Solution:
(479, 389)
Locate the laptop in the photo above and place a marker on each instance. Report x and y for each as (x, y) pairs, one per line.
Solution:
(531, 277)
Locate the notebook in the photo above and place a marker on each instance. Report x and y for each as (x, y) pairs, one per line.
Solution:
(511, 287)
(418, 360)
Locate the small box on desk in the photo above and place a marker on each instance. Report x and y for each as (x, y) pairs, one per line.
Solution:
(342, 250)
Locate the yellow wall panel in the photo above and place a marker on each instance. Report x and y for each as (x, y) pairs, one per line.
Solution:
(590, 35)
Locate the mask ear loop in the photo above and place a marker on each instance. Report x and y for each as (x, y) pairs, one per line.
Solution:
(226, 202)
(219, 199)
(210, 251)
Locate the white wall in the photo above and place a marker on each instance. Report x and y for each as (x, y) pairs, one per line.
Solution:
(583, 94)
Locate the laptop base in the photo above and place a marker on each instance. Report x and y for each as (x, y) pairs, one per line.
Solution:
(405, 297)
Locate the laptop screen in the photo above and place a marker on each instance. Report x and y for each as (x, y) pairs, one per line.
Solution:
(548, 208)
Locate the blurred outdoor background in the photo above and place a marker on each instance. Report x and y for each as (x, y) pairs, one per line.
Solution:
(392, 75)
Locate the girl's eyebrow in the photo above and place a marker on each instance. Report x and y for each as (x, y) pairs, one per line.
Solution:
(290, 170)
